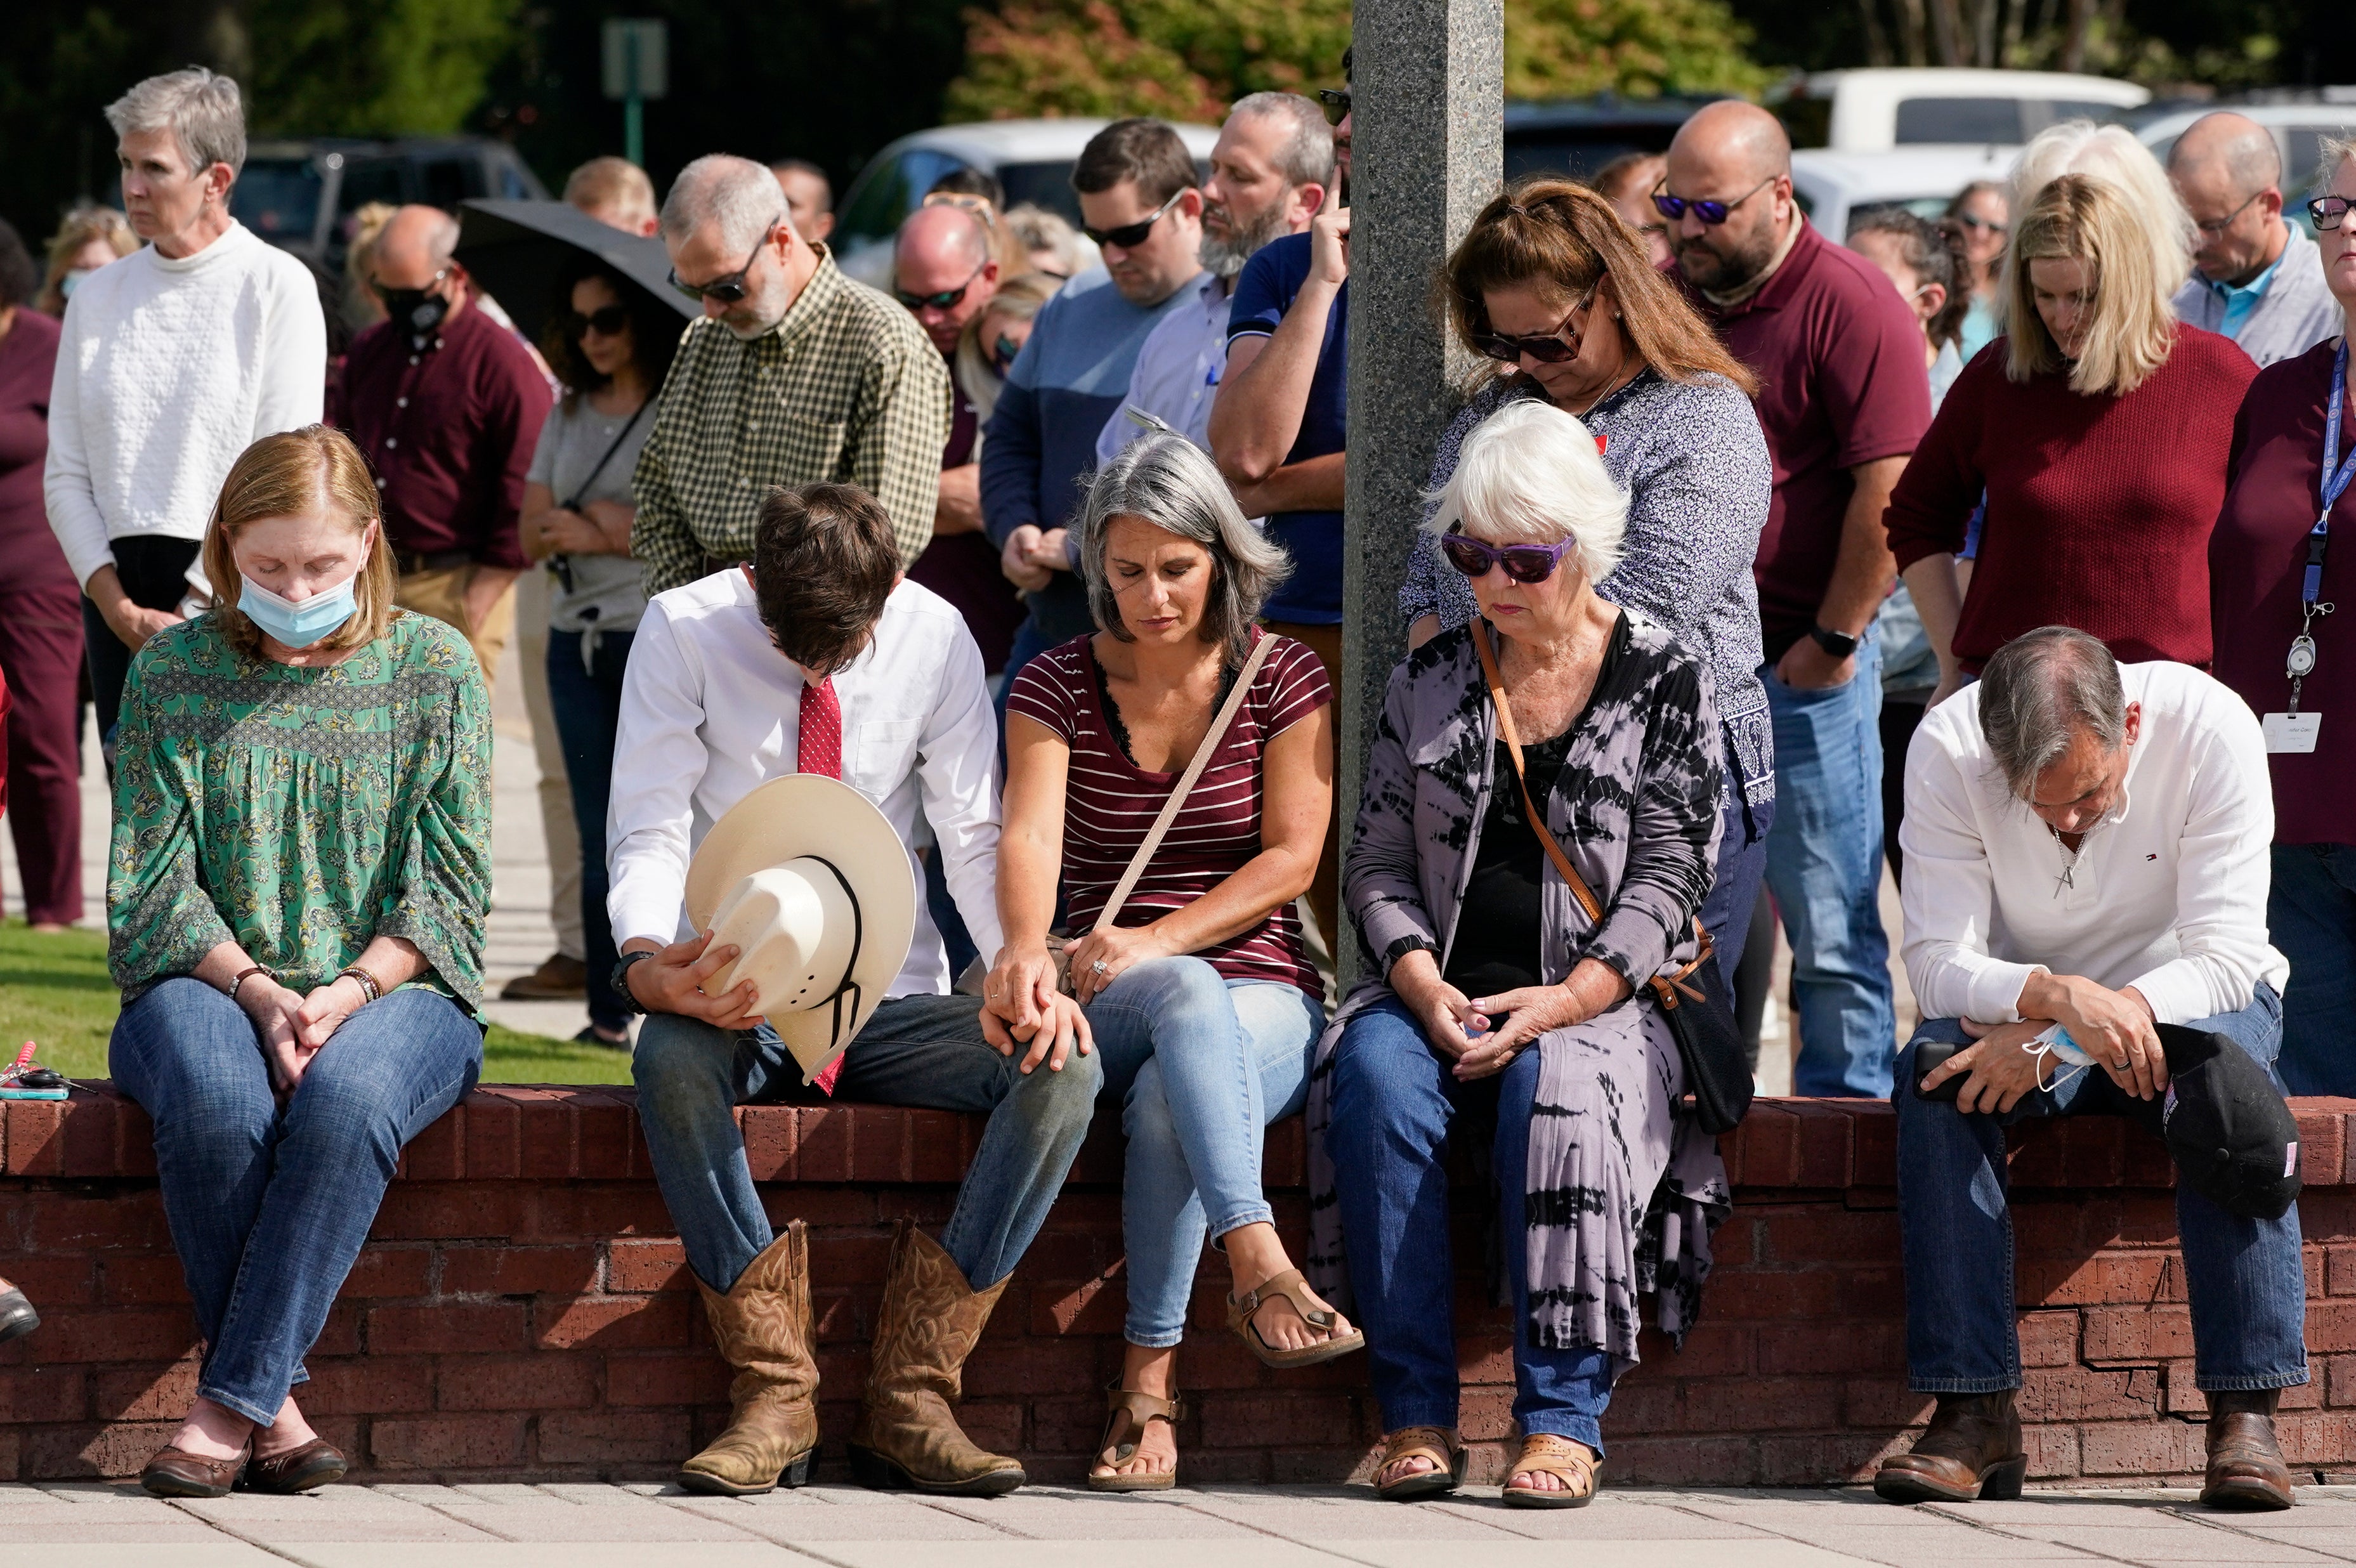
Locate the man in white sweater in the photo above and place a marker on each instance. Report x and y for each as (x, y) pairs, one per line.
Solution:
(174, 360)
(2086, 845)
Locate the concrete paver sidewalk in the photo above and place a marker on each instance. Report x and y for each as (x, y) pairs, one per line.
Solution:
(99, 1525)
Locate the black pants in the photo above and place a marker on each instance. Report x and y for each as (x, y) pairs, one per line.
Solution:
(153, 570)
(1899, 720)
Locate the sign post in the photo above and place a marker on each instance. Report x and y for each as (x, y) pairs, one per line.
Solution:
(638, 68)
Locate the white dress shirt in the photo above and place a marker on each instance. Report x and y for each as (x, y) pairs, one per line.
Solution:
(710, 710)
(1176, 376)
(2167, 892)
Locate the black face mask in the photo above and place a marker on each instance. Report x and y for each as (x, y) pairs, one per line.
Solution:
(415, 309)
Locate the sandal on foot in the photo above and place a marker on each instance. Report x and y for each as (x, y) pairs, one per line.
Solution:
(1314, 1311)
(1123, 1429)
(1571, 1462)
(1437, 1444)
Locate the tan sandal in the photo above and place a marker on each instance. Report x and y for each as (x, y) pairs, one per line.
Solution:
(1314, 1310)
(1571, 1462)
(1437, 1444)
(1130, 1413)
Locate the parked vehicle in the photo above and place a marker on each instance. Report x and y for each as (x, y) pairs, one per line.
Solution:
(1836, 188)
(1031, 158)
(1579, 136)
(297, 194)
(1876, 109)
(2299, 130)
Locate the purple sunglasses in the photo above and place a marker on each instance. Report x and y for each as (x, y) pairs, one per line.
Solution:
(1523, 562)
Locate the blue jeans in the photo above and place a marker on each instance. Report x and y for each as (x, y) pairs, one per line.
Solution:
(1824, 864)
(2243, 1277)
(2311, 917)
(1734, 888)
(1201, 1065)
(923, 1050)
(269, 1206)
(1394, 1100)
(588, 705)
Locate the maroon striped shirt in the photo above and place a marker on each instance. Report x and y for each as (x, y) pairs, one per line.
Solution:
(1110, 803)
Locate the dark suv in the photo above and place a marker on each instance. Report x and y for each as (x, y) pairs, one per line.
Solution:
(297, 194)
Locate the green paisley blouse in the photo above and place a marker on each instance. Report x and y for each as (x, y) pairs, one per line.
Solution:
(302, 811)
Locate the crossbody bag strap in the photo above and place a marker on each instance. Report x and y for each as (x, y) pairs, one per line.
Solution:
(628, 426)
(1177, 801)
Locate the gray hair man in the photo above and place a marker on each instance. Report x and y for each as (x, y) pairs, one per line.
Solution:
(2255, 278)
(173, 362)
(795, 375)
(2087, 849)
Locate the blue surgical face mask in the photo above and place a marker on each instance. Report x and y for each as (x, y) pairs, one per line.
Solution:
(68, 283)
(299, 625)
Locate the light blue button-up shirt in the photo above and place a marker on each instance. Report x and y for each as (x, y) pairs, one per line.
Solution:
(1176, 378)
(2241, 299)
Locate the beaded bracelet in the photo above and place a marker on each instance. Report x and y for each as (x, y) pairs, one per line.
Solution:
(369, 987)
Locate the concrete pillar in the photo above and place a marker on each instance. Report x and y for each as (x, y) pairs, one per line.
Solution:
(1428, 91)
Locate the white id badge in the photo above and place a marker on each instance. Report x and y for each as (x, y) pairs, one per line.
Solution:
(2292, 732)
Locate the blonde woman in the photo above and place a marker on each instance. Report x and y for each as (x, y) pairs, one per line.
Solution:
(301, 872)
(987, 349)
(2099, 430)
(88, 239)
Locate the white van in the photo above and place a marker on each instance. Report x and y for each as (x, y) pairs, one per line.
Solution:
(1873, 111)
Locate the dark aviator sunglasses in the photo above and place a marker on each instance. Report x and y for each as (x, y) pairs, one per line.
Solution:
(1557, 347)
(729, 288)
(1130, 236)
(946, 299)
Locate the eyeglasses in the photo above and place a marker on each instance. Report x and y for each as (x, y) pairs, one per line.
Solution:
(1002, 353)
(947, 299)
(1711, 212)
(2215, 229)
(611, 322)
(1973, 220)
(1523, 562)
(727, 290)
(1557, 347)
(2328, 211)
(1130, 236)
(977, 205)
(1336, 101)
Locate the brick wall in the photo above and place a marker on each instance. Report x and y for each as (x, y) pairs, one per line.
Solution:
(523, 1307)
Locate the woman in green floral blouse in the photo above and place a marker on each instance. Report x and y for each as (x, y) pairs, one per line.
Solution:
(301, 870)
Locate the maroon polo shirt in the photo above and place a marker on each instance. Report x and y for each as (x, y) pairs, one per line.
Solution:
(449, 424)
(1840, 361)
(964, 568)
(2257, 556)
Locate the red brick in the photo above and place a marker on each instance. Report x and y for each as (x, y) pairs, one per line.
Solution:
(52, 1281)
(1883, 1404)
(1078, 1306)
(144, 1393)
(2052, 1452)
(439, 1152)
(1760, 1404)
(1813, 1461)
(1831, 1349)
(2136, 1334)
(142, 1334)
(74, 1453)
(452, 1210)
(518, 1271)
(389, 1272)
(822, 1143)
(367, 1385)
(1770, 1146)
(882, 1144)
(1828, 1132)
(769, 1141)
(1032, 1364)
(612, 1437)
(448, 1444)
(493, 1130)
(657, 1378)
(1685, 1461)
(2323, 1143)
(610, 1322)
(2048, 1338)
(46, 1394)
(643, 1266)
(2088, 1393)
(2105, 1279)
(1759, 1294)
(446, 1327)
(341, 1337)
(2342, 1372)
(590, 1212)
(2340, 1271)
(1827, 1234)
(2141, 1448)
(608, 1127)
(71, 1137)
(2331, 1325)
(529, 1382)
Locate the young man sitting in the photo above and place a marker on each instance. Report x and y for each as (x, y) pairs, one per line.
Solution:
(818, 659)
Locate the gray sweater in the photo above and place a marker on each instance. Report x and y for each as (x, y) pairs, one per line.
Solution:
(2296, 313)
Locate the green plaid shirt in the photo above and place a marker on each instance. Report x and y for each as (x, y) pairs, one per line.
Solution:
(847, 388)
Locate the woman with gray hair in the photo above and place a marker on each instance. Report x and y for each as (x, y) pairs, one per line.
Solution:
(1197, 985)
(1553, 730)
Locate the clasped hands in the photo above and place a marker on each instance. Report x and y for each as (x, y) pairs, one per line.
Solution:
(1034, 555)
(1483, 1035)
(293, 1027)
(2114, 1027)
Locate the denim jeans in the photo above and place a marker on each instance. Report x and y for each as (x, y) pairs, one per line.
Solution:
(1824, 862)
(923, 1050)
(1726, 913)
(588, 704)
(2311, 917)
(2243, 1278)
(1393, 1102)
(1201, 1065)
(268, 1205)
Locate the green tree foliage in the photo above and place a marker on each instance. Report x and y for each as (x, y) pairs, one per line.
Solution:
(1638, 49)
(373, 68)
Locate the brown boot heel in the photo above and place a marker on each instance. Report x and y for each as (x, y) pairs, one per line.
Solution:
(1971, 1450)
(765, 1332)
(2246, 1471)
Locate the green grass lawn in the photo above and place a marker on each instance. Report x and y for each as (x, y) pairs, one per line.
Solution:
(54, 990)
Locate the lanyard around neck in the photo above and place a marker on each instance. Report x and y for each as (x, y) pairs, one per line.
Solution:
(2336, 475)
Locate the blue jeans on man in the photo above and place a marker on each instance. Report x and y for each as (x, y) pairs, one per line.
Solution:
(2243, 1278)
(2311, 920)
(1823, 866)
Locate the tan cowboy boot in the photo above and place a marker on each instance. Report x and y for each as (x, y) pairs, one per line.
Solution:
(764, 1331)
(2245, 1465)
(1971, 1450)
(907, 1438)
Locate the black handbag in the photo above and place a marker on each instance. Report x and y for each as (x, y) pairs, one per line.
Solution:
(1694, 1002)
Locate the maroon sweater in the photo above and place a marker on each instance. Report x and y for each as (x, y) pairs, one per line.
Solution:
(2099, 508)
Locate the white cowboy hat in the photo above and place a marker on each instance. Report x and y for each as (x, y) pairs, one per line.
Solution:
(808, 881)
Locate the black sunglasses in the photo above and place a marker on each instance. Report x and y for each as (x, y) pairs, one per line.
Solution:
(1523, 562)
(1336, 101)
(1130, 236)
(2328, 211)
(1557, 347)
(1711, 212)
(611, 322)
(727, 290)
(1002, 353)
(947, 299)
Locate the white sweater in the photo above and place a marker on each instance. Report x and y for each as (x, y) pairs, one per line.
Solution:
(167, 371)
(2168, 891)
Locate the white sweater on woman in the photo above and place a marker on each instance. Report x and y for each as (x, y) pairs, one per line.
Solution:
(167, 371)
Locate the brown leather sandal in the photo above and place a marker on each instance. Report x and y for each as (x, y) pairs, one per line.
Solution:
(1571, 1462)
(1437, 1444)
(1130, 1413)
(1314, 1311)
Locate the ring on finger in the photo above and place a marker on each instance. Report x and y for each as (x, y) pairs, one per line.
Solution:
(1099, 967)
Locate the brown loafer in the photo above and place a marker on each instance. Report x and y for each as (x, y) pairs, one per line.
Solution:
(2245, 1463)
(306, 1469)
(1971, 1450)
(557, 979)
(175, 1472)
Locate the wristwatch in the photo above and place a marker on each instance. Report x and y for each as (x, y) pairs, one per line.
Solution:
(1840, 645)
(622, 979)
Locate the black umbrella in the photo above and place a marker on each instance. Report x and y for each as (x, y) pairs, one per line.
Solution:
(522, 253)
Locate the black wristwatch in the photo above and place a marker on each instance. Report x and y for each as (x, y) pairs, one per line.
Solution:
(622, 977)
(1840, 645)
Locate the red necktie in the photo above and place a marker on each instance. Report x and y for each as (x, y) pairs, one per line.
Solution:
(819, 750)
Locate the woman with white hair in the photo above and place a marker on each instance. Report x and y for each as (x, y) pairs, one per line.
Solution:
(1554, 700)
(1200, 992)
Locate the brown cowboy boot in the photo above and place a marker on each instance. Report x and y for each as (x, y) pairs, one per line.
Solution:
(2245, 1465)
(16, 1314)
(1972, 1450)
(907, 1438)
(764, 1331)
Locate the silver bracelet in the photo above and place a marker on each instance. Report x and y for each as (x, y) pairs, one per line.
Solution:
(369, 990)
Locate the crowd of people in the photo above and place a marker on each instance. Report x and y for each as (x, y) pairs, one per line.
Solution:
(941, 687)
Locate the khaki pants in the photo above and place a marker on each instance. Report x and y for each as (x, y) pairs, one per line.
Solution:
(1324, 892)
(442, 594)
(557, 828)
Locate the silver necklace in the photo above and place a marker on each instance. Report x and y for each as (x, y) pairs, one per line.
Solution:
(2069, 877)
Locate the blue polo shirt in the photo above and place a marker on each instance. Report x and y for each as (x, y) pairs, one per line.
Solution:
(1271, 281)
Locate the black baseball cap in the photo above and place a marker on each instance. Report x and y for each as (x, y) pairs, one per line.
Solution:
(2234, 1140)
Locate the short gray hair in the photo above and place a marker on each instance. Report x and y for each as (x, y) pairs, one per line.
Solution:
(2039, 692)
(201, 109)
(740, 197)
(1307, 155)
(1532, 474)
(1166, 480)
